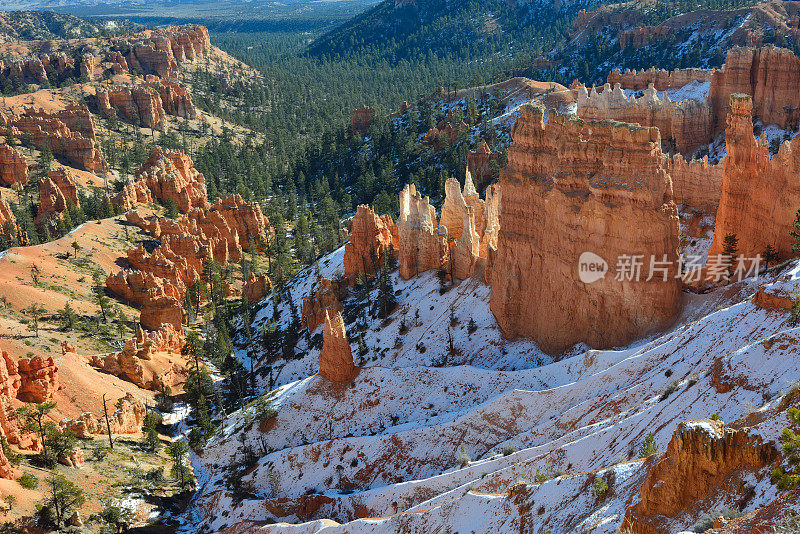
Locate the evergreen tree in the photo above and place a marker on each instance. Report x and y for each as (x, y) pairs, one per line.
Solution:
(795, 233)
(770, 256)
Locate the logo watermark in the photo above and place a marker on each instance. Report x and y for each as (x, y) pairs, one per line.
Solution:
(691, 268)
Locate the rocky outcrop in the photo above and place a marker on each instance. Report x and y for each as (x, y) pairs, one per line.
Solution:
(256, 287)
(422, 242)
(324, 299)
(126, 419)
(57, 191)
(167, 175)
(481, 164)
(144, 359)
(770, 75)
(8, 222)
(360, 120)
(69, 133)
(27, 380)
(684, 125)
(162, 310)
(760, 194)
(38, 379)
(336, 358)
(146, 104)
(659, 78)
(701, 458)
(73, 458)
(13, 168)
(370, 237)
(571, 187)
(160, 51)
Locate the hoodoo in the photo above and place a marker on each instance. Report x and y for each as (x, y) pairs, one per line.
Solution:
(573, 187)
(336, 358)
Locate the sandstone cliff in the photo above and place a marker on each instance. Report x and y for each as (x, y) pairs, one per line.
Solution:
(574, 186)
(702, 457)
(126, 419)
(336, 358)
(760, 194)
(256, 287)
(696, 183)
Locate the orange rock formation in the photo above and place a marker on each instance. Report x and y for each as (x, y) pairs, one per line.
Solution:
(336, 358)
(146, 104)
(422, 243)
(69, 133)
(56, 191)
(126, 419)
(256, 287)
(699, 459)
(13, 169)
(574, 186)
(760, 194)
(479, 164)
(361, 119)
(370, 237)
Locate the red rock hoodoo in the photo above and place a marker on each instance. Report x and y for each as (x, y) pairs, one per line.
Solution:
(256, 287)
(571, 187)
(126, 419)
(336, 358)
(146, 104)
(361, 119)
(321, 301)
(422, 243)
(480, 164)
(57, 191)
(760, 194)
(370, 237)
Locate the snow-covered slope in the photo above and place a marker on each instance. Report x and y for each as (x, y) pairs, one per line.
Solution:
(498, 438)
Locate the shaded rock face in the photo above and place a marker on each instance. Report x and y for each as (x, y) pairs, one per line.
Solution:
(336, 358)
(700, 459)
(760, 194)
(696, 183)
(684, 125)
(256, 287)
(370, 237)
(126, 419)
(167, 175)
(479, 164)
(571, 187)
(69, 133)
(56, 191)
(422, 242)
(321, 301)
(770, 75)
(146, 104)
(13, 169)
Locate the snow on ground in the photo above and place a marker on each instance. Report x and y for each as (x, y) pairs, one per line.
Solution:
(445, 444)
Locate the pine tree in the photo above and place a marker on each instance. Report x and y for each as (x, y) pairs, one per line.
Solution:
(789, 479)
(795, 233)
(386, 298)
(730, 248)
(770, 256)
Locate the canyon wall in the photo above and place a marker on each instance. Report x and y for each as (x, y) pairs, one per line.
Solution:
(574, 186)
(760, 194)
(659, 78)
(685, 125)
(696, 183)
